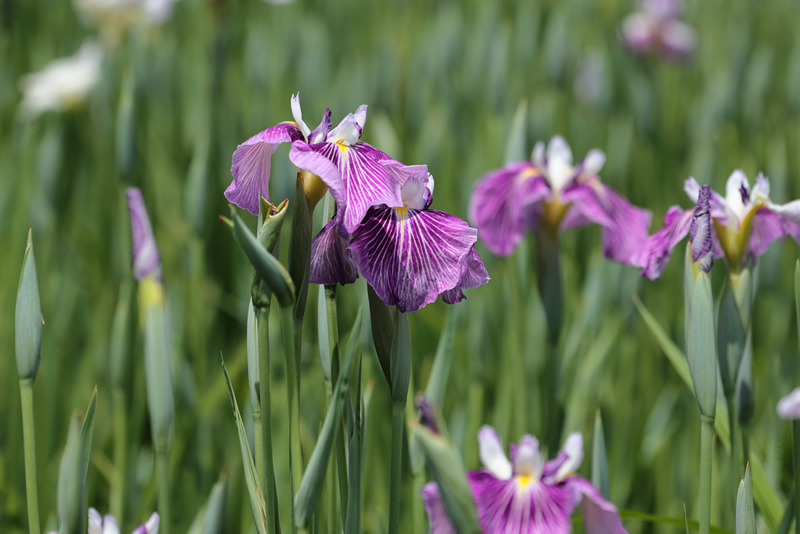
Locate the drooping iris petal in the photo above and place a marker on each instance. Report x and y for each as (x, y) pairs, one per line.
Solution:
(473, 274)
(599, 515)
(437, 516)
(658, 248)
(497, 206)
(520, 505)
(625, 227)
(789, 406)
(767, 227)
(251, 165)
(700, 231)
(331, 259)
(411, 256)
(359, 176)
(144, 254)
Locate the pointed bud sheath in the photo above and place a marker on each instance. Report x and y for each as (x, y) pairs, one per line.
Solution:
(599, 463)
(157, 363)
(269, 231)
(252, 358)
(733, 324)
(445, 465)
(69, 480)
(701, 345)
(267, 267)
(28, 318)
(745, 513)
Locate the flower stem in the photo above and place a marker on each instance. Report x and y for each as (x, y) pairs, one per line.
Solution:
(266, 469)
(162, 479)
(796, 450)
(706, 449)
(398, 424)
(120, 428)
(29, 441)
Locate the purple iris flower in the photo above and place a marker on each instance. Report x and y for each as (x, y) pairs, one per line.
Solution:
(656, 27)
(108, 525)
(744, 223)
(528, 495)
(144, 254)
(550, 194)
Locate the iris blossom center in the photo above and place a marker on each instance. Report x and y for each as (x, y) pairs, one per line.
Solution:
(733, 237)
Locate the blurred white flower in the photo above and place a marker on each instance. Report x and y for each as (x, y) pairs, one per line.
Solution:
(63, 84)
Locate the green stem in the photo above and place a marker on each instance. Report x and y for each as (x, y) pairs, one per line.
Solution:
(292, 389)
(340, 445)
(266, 469)
(796, 458)
(706, 449)
(395, 482)
(29, 441)
(120, 428)
(162, 478)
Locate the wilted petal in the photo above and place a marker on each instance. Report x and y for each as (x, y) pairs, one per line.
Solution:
(331, 259)
(144, 255)
(599, 515)
(658, 248)
(677, 39)
(150, 527)
(473, 274)
(497, 206)
(639, 31)
(492, 455)
(520, 505)
(700, 230)
(789, 406)
(625, 227)
(439, 521)
(251, 164)
(410, 256)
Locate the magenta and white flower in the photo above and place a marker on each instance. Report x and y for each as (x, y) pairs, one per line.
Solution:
(108, 524)
(144, 250)
(526, 494)
(744, 223)
(550, 194)
(657, 28)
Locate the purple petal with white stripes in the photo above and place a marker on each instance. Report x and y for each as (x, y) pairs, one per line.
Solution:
(437, 515)
(411, 256)
(473, 274)
(658, 248)
(700, 231)
(331, 259)
(251, 165)
(144, 254)
(499, 201)
(625, 227)
(359, 176)
(767, 227)
(599, 515)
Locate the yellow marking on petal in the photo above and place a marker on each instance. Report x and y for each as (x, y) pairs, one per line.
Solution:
(402, 212)
(734, 239)
(524, 481)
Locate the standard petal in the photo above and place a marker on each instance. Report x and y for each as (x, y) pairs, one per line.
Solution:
(599, 515)
(677, 40)
(573, 456)
(559, 163)
(144, 250)
(789, 406)
(437, 516)
(625, 227)
(490, 450)
(321, 132)
(520, 505)
(473, 274)
(95, 522)
(658, 248)
(251, 164)
(297, 113)
(409, 256)
(331, 259)
(497, 206)
(348, 131)
(593, 162)
(528, 461)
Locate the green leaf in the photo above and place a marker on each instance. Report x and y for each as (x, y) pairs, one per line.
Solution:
(678, 360)
(28, 318)
(382, 332)
(745, 514)
(515, 145)
(437, 382)
(265, 264)
(355, 455)
(400, 359)
(768, 501)
(69, 481)
(158, 372)
(667, 520)
(250, 474)
(701, 345)
(599, 464)
(87, 430)
(210, 518)
(307, 498)
(730, 334)
(300, 248)
(788, 518)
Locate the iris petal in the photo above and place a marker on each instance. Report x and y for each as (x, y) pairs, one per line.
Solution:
(473, 274)
(251, 165)
(331, 260)
(789, 406)
(144, 255)
(410, 256)
(658, 248)
(439, 521)
(599, 515)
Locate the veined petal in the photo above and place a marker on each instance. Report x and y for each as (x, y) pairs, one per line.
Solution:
(331, 259)
(599, 515)
(321, 132)
(625, 227)
(767, 227)
(144, 254)
(700, 230)
(251, 164)
(497, 206)
(789, 406)
(520, 505)
(473, 274)
(150, 527)
(410, 256)
(658, 248)
(437, 516)
(349, 130)
(492, 455)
